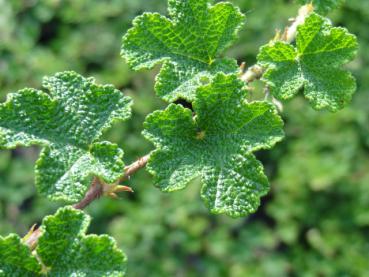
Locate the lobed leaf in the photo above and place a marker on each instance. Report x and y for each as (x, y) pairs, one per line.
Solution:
(67, 120)
(189, 44)
(216, 144)
(66, 251)
(63, 250)
(313, 66)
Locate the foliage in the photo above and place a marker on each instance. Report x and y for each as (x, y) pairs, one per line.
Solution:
(42, 37)
(16, 258)
(63, 250)
(189, 44)
(217, 145)
(313, 65)
(68, 120)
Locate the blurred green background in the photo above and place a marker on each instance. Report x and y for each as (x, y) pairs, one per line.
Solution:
(315, 220)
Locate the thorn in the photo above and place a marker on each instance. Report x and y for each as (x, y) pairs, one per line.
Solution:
(30, 232)
(123, 188)
(112, 190)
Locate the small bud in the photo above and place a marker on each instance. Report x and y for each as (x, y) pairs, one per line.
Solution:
(112, 190)
(30, 232)
(122, 189)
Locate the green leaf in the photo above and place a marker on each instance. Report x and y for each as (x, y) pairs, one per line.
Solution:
(67, 120)
(189, 45)
(216, 144)
(65, 250)
(16, 259)
(313, 66)
(323, 6)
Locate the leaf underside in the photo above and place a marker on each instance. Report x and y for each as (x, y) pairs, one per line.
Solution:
(64, 250)
(189, 44)
(313, 66)
(66, 120)
(217, 145)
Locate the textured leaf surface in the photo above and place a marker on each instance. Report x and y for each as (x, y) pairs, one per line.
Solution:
(16, 259)
(217, 145)
(66, 251)
(189, 44)
(67, 121)
(323, 6)
(314, 65)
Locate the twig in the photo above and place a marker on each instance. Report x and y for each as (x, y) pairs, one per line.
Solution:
(99, 188)
(96, 190)
(132, 168)
(255, 72)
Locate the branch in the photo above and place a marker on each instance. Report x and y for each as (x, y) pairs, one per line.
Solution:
(99, 188)
(255, 72)
(134, 167)
(96, 190)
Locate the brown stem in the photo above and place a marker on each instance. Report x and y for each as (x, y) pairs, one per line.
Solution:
(255, 72)
(95, 191)
(132, 168)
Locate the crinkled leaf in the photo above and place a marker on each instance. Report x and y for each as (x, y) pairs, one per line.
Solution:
(216, 144)
(189, 44)
(314, 65)
(67, 120)
(323, 6)
(65, 250)
(16, 259)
